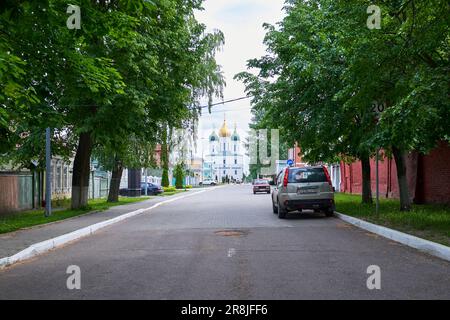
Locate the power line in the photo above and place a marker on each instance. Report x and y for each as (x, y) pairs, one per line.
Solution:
(202, 107)
(225, 102)
(237, 109)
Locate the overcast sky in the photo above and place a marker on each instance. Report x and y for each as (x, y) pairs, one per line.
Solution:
(241, 22)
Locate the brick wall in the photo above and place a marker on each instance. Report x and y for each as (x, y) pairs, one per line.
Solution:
(428, 176)
(435, 177)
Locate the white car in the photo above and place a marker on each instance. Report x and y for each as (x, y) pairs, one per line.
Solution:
(208, 182)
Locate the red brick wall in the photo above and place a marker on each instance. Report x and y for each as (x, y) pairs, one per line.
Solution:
(435, 176)
(295, 154)
(428, 176)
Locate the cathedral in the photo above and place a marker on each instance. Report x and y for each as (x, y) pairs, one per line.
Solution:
(225, 160)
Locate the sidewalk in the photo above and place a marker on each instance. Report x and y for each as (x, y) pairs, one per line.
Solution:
(14, 242)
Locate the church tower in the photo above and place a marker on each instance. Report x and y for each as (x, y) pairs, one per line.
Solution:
(224, 159)
(213, 144)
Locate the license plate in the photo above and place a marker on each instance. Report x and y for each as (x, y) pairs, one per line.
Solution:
(306, 190)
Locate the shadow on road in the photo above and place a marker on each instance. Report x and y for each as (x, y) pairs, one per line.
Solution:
(309, 215)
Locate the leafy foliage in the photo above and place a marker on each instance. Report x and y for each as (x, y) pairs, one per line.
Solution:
(325, 69)
(135, 68)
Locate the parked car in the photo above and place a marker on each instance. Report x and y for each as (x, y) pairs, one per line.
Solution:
(208, 182)
(261, 185)
(303, 188)
(152, 189)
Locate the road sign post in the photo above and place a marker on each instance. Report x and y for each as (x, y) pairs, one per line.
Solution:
(377, 109)
(377, 204)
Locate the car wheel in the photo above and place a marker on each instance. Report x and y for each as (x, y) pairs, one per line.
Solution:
(281, 212)
(274, 208)
(329, 213)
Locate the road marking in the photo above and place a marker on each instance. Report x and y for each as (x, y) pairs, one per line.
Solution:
(231, 252)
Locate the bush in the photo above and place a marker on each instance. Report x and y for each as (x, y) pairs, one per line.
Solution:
(169, 189)
(188, 186)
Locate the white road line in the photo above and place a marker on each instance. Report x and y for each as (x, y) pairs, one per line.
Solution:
(231, 252)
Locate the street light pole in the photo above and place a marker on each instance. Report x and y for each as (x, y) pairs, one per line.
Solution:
(377, 205)
(378, 109)
(48, 169)
(146, 182)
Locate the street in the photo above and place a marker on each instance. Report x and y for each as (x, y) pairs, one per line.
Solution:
(226, 243)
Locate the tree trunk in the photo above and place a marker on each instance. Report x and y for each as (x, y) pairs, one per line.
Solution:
(366, 180)
(165, 159)
(81, 171)
(113, 195)
(405, 200)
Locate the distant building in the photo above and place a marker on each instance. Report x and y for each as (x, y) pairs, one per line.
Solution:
(224, 159)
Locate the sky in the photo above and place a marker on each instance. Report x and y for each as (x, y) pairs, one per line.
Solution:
(241, 21)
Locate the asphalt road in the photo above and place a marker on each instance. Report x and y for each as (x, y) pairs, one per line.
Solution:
(227, 244)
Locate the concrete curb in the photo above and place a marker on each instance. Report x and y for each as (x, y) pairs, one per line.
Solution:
(47, 245)
(432, 248)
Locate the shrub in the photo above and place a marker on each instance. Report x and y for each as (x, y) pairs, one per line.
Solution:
(169, 189)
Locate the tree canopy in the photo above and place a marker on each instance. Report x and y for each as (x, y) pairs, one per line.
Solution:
(134, 68)
(325, 69)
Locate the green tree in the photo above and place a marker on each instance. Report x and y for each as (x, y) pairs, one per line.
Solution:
(131, 66)
(329, 68)
(165, 159)
(179, 175)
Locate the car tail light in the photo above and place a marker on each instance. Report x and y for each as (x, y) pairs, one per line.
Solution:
(286, 177)
(327, 175)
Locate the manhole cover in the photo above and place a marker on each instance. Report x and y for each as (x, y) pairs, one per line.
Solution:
(230, 233)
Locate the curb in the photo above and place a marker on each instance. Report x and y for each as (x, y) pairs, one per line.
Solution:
(432, 248)
(47, 245)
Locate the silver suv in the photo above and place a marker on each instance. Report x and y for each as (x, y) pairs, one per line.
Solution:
(303, 188)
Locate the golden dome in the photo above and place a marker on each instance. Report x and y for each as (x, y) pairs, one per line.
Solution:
(224, 132)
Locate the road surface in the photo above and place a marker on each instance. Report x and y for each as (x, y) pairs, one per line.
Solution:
(226, 244)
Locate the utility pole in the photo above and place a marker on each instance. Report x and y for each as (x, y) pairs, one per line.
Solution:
(48, 175)
(377, 205)
(146, 182)
(378, 109)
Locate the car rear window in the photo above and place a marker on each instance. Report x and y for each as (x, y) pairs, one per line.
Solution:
(261, 181)
(305, 175)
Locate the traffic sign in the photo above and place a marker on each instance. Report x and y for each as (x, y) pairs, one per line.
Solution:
(290, 162)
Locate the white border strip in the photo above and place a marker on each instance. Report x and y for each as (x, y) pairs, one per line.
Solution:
(423, 245)
(47, 245)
